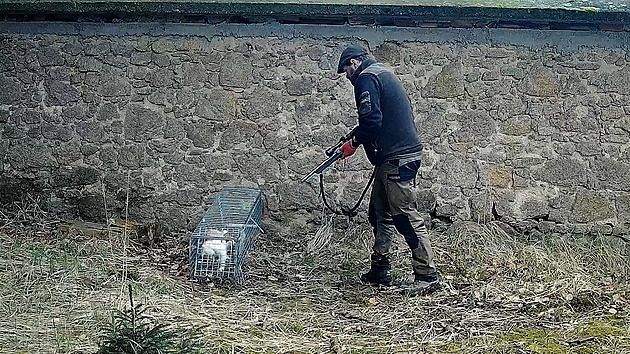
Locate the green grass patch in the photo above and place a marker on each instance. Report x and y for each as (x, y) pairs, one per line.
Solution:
(605, 335)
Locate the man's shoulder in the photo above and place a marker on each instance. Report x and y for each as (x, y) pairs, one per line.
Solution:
(366, 80)
(374, 69)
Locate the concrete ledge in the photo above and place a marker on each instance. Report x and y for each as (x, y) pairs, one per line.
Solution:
(331, 14)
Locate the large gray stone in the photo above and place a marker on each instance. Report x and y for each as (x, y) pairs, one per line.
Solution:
(612, 174)
(430, 125)
(540, 82)
(73, 176)
(573, 85)
(563, 172)
(622, 205)
(300, 86)
(217, 104)
(152, 178)
(589, 148)
(13, 131)
(174, 158)
(190, 175)
(92, 208)
(389, 53)
(108, 155)
(590, 206)
(68, 153)
(475, 127)
(426, 201)
(236, 71)
(140, 59)
(447, 84)
(184, 197)
(116, 61)
(9, 91)
(238, 133)
(258, 168)
(108, 112)
(57, 131)
(505, 204)
(497, 52)
(174, 129)
(60, 93)
(14, 189)
(453, 210)
(577, 118)
(457, 171)
(133, 156)
(264, 104)
(26, 116)
(4, 115)
(161, 78)
(91, 131)
(163, 45)
(508, 106)
(161, 60)
(515, 72)
(534, 207)
(114, 86)
(50, 56)
(88, 64)
(202, 133)
(193, 74)
(97, 47)
(74, 113)
(31, 154)
(624, 123)
(517, 126)
(143, 123)
(6, 63)
(618, 81)
(294, 197)
(416, 54)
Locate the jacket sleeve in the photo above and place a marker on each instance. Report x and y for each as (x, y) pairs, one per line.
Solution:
(368, 99)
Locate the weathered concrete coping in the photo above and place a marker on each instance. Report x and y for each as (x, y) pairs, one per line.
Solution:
(332, 14)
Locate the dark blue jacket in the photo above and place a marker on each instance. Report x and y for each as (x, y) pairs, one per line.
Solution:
(386, 126)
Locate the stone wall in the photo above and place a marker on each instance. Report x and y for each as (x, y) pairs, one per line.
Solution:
(536, 137)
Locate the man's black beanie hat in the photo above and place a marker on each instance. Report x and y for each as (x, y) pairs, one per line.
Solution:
(351, 52)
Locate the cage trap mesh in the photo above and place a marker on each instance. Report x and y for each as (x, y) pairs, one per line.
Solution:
(226, 234)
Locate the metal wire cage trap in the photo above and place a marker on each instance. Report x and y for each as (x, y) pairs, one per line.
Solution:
(226, 234)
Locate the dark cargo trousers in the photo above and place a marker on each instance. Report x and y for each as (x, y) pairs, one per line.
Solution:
(393, 207)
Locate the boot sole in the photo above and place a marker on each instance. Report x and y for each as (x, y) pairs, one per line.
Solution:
(422, 291)
(367, 282)
(377, 284)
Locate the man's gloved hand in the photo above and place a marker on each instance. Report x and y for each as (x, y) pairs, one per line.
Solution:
(347, 149)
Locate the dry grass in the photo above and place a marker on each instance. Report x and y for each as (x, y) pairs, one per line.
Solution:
(301, 293)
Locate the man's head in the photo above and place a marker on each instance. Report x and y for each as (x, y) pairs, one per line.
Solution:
(351, 59)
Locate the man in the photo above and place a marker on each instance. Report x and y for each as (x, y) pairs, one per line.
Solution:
(388, 134)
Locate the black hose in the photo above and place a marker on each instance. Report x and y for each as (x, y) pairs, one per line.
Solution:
(346, 212)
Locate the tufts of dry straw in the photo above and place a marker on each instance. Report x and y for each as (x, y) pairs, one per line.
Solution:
(301, 292)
